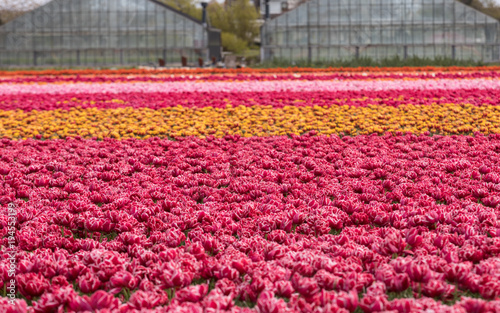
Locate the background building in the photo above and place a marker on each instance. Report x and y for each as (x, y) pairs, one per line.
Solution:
(340, 29)
(104, 33)
(277, 7)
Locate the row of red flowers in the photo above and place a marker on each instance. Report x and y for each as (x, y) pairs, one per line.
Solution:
(276, 99)
(300, 224)
(249, 70)
(251, 77)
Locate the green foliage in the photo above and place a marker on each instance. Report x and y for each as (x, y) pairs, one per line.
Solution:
(233, 43)
(368, 62)
(217, 16)
(238, 23)
(185, 6)
(408, 293)
(243, 20)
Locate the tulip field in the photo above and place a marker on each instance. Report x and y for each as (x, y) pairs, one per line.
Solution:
(267, 191)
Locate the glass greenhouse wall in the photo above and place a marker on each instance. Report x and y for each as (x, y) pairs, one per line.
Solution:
(342, 29)
(105, 32)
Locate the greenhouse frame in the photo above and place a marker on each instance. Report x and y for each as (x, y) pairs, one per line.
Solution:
(106, 33)
(321, 30)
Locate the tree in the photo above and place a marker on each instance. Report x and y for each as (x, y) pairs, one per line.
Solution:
(11, 9)
(238, 23)
(243, 20)
(237, 20)
(488, 7)
(491, 8)
(233, 43)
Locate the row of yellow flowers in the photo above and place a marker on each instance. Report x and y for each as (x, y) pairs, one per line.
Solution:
(127, 122)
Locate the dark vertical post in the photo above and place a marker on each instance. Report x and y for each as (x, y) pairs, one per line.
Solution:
(309, 48)
(165, 46)
(434, 30)
(263, 35)
(268, 13)
(205, 31)
(454, 27)
(424, 42)
(204, 15)
(287, 38)
(329, 27)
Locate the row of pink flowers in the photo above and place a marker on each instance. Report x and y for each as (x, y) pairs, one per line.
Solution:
(249, 77)
(276, 99)
(250, 86)
(300, 224)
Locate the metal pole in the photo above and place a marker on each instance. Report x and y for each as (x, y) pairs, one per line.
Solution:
(204, 13)
(349, 27)
(309, 52)
(268, 14)
(423, 30)
(165, 45)
(434, 29)
(329, 31)
(454, 31)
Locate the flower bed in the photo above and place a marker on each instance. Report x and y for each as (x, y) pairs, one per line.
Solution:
(183, 196)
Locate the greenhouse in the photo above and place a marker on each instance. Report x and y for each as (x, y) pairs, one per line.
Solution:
(321, 30)
(105, 33)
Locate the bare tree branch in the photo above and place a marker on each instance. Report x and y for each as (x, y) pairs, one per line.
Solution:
(10, 9)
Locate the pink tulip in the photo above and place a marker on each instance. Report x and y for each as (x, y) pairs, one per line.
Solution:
(437, 289)
(123, 279)
(267, 303)
(192, 293)
(88, 283)
(307, 287)
(144, 300)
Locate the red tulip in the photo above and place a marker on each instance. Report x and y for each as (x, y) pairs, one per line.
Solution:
(373, 303)
(417, 272)
(267, 303)
(348, 300)
(437, 289)
(103, 300)
(307, 287)
(32, 284)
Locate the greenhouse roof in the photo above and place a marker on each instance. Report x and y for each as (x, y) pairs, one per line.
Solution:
(28, 6)
(357, 3)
